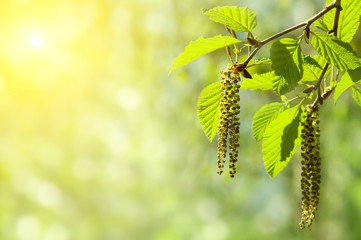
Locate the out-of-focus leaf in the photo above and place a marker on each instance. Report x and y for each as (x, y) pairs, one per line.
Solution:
(200, 47)
(335, 51)
(208, 109)
(240, 19)
(287, 60)
(264, 117)
(280, 140)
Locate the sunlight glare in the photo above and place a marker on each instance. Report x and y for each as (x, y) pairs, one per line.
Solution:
(36, 41)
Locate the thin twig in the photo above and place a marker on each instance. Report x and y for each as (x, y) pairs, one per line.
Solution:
(318, 86)
(319, 98)
(233, 33)
(307, 23)
(228, 49)
(337, 17)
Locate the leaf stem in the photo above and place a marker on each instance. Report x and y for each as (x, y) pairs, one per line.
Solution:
(228, 49)
(319, 98)
(293, 99)
(318, 86)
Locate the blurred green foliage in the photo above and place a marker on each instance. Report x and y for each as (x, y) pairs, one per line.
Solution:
(98, 142)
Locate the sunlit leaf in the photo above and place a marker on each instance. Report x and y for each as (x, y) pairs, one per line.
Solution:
(315, 61)
(258, 82)
(264, 117)
(348, 80)
(280, 140)
(321, 25)
(343, 85)
(240, 19)
(329, 17)
(312, 68)
(336, 52)
(356, 94)
(208, 109)
(200, 47)
(349, 19)
(355, 74)
(287, 60)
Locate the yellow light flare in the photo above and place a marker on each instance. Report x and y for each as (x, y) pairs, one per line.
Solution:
(37, 41)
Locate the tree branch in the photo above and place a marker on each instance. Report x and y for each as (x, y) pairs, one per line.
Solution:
(307, 23)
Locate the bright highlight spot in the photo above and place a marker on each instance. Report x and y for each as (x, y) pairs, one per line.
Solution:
(28, 228)
(36, 41)
(48, 194)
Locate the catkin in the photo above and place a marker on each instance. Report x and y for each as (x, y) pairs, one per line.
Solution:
(228, 128)
(311, 161)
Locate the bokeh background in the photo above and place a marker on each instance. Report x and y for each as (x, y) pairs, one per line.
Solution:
(98, 142)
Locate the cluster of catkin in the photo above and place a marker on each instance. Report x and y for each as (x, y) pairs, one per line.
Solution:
(228, 128)
(311, 161)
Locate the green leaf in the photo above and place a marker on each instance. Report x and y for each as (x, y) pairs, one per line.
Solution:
(336, 52)
(280, 84)
(240, 19)
(356, 94)
(200, 47)
(208, 109)
(258, 82)
(348, 80)
(280, 140)
(264, 117)
(343, 85)
(321, 25)
(312, 68)
(355, 75)
(314, 60)
(329, 17)
(287, 60)
(349, 19)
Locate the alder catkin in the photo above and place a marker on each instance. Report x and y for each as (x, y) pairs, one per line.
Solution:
(228, 127)
(311, 161)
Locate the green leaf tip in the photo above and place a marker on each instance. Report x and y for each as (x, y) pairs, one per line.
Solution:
(208, 109)
(200, 47)
(240, 19)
